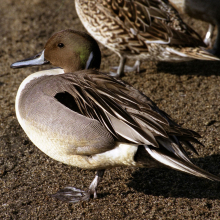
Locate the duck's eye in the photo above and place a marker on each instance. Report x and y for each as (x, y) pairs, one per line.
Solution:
(60, 45)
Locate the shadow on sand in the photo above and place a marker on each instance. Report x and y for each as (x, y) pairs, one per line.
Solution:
(195, 67)
(170, 183)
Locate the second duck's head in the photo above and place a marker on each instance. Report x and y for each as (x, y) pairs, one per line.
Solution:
(68, 49)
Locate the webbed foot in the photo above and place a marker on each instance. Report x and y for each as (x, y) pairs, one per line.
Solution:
(74, 195)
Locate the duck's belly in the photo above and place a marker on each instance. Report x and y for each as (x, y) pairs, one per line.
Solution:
(58, 148)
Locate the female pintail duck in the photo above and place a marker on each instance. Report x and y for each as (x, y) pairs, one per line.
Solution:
(205, 10)
(142, 30)
(84, 118)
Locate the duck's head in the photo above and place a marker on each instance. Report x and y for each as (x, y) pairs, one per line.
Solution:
(68, 49)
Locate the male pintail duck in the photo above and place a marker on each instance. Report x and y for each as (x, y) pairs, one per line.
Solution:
(141, 30)
(84, 118)
(205, 10)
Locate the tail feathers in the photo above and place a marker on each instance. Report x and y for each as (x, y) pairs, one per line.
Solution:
(171, 160)
(201, 54)
(193, 53)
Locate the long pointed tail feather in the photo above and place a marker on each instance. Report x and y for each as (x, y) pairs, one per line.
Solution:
(171, 160)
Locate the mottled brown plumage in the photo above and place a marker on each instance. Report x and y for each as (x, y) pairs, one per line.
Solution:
(141, 29)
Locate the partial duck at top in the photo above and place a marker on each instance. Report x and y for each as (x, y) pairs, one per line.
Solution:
(141, 30)
(85, 118)
(205, 10)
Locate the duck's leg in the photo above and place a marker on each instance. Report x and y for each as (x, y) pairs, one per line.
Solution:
(208, 37)
(74, 195)
(216, 47)
(93, 186)
(126, 68)
(120, 68)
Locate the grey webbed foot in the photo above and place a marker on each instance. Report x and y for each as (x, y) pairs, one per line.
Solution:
(74, 195)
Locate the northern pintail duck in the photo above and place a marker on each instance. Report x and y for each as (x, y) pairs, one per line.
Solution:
(141, 30)
(205, 10)
(88, 119)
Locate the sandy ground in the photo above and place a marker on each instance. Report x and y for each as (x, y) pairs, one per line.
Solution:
(189, 92)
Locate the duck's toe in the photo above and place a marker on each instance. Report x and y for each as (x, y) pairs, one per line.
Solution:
(72, 195)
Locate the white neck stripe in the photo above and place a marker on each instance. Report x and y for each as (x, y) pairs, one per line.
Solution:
(89, 60)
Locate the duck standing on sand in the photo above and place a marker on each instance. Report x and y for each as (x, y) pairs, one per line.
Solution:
(84, 118)
(141, 30)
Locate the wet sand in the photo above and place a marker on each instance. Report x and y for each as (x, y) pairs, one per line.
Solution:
(189, 92)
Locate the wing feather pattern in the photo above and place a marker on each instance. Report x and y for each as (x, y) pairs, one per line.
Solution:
(126, 113)
(152, 21)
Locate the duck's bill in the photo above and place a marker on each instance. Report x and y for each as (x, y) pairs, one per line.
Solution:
(36, 60)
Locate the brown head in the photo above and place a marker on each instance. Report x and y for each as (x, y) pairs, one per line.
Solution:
(68, 49)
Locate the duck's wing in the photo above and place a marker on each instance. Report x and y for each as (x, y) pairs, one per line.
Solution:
(126, 113)
(100, 97)
(148, 21)
(148, 115)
